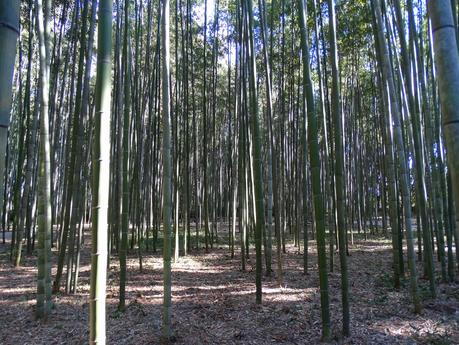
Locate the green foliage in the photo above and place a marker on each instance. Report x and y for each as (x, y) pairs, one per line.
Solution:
(354, 30)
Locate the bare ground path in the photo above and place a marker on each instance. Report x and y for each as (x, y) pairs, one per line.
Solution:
(214, 303)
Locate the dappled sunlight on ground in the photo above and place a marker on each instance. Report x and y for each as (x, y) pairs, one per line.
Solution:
(420, 328)
(214, 302)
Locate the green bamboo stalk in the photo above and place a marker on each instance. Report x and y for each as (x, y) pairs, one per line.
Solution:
(315, 174)
(9, 33)
(256, 151)
(167, 171)
(44, 174)
(419, 157)
(447, 67)
(393, 120)
(125, 166)
(339, 167)
(101, 175)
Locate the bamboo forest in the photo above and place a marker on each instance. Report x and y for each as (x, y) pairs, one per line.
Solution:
(229, 172)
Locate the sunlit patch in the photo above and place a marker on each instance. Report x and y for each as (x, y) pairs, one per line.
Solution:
(214, 298)
(418, 328)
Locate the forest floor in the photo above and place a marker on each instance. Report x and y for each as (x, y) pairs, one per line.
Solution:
(214, 302)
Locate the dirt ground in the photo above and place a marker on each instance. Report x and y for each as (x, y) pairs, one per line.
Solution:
(214, 303)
